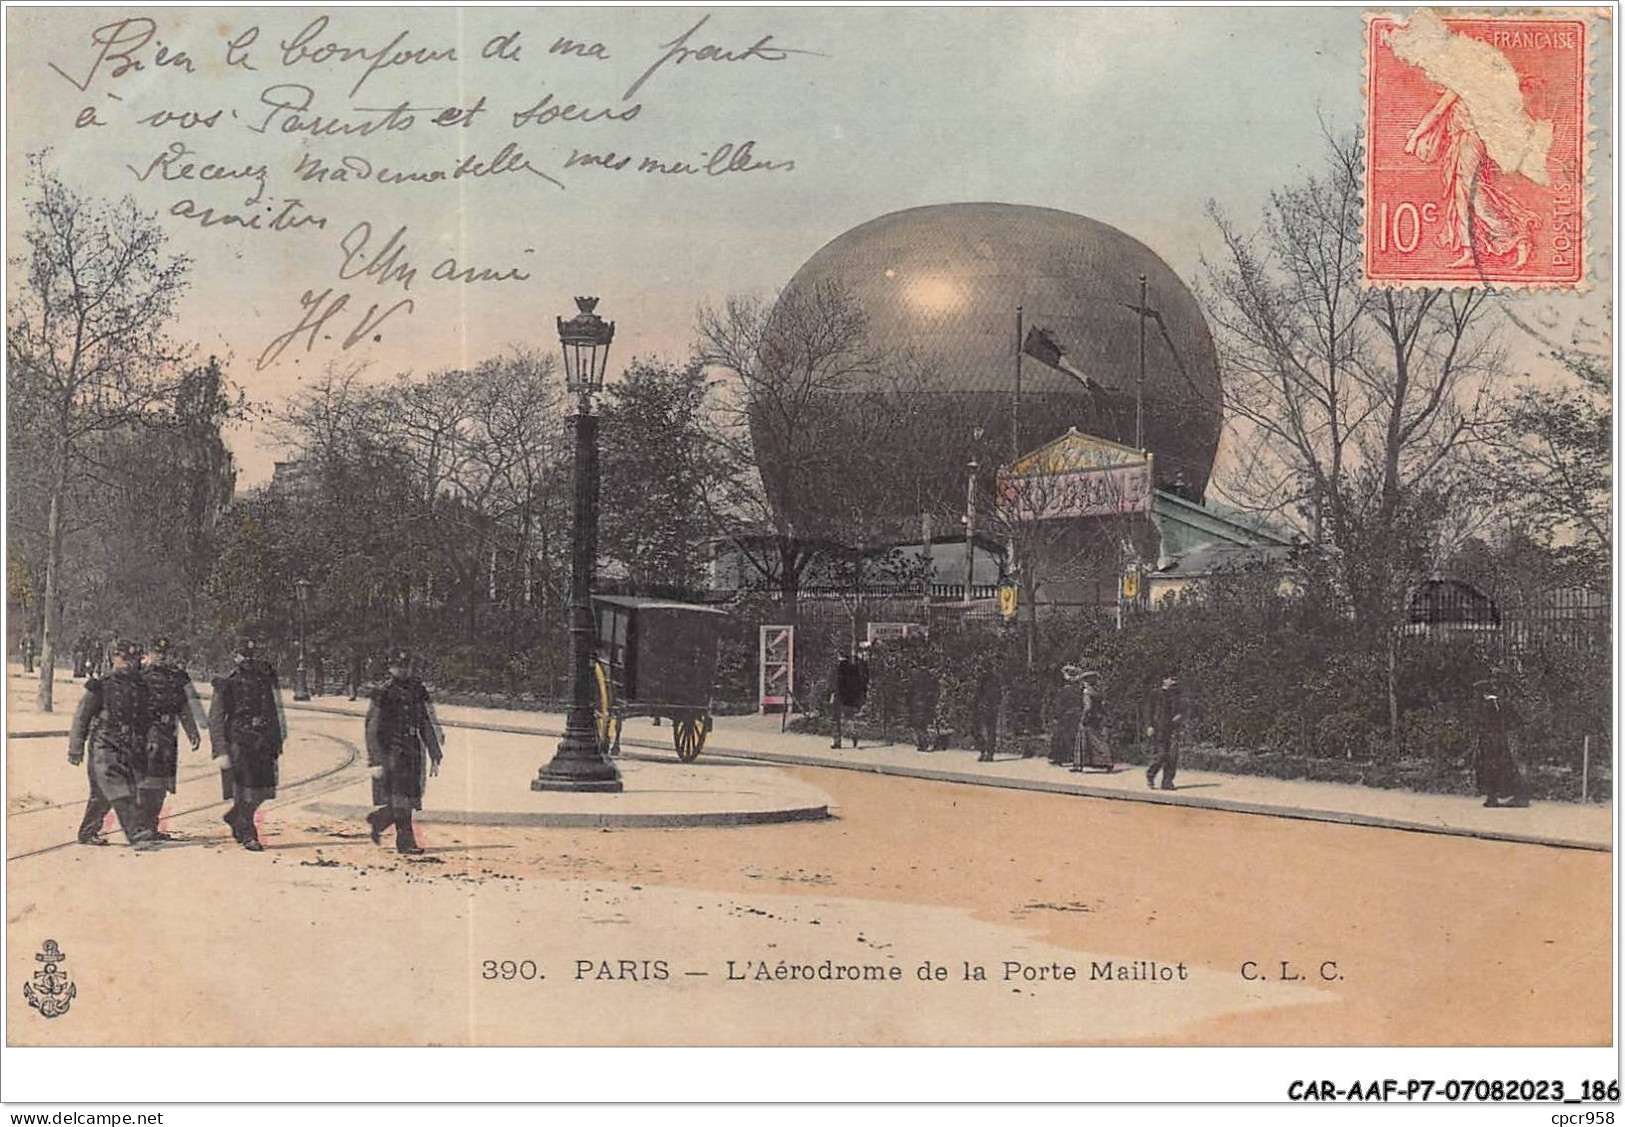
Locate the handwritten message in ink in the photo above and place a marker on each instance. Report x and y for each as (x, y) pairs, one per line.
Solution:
(327, 136)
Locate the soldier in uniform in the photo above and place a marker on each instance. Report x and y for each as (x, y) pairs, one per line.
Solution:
(246, 726)
(81, 656)
(113, 718)
(1167, 717)
(1495, 730)
(173, 700)
(403, 749)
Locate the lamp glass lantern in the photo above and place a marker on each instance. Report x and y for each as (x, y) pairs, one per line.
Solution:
(584, 340)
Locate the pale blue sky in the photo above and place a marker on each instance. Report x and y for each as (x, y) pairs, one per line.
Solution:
(1132, 116)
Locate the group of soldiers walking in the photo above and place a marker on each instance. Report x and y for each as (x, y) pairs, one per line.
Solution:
(129, 720)
(127, 732)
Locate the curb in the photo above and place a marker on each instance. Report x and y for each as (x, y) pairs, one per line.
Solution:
(790, 759)
(572, 820)
(1222, 805)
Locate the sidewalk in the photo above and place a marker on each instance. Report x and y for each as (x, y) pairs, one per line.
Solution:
(758, 739)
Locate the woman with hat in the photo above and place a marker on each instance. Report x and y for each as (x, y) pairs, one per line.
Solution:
(1066, 709)
(1093, 748)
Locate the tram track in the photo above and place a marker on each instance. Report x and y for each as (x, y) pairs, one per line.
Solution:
(305, 786)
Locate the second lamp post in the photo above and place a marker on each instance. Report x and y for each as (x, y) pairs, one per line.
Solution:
(301, 681)
(580, 763)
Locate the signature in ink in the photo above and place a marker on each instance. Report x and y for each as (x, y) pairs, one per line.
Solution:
(316, 310)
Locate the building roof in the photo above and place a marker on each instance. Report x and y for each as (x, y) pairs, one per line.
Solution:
(634, 602)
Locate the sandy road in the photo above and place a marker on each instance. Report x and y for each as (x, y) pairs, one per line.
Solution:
(325, 938)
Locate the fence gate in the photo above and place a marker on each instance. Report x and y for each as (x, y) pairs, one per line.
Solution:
(778, 668)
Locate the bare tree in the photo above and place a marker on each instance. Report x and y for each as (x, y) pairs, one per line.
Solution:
(87, 342)
(1547, 465)
(521, 446)
(1349, 408)
(814, 414)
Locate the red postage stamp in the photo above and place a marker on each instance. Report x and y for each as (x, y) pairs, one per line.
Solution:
(1476, 150)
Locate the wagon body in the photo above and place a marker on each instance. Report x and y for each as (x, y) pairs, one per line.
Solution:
(658, 658)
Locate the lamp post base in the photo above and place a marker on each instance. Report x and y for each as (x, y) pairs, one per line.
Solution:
(579, 766)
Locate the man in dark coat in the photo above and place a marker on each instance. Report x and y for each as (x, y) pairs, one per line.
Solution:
(246, 726)
(29, 648)
(924, 694)
(81, 656)
(403, 749)
(988, 700)
(1167, 717)
(1496, 731)
(851, 690)
(173, 700)
(113, 718)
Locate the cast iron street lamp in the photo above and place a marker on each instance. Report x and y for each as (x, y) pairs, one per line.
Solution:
(580, 764)
(970, 510)
(301, 685)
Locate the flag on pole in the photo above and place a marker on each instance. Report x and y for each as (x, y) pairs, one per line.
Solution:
(1041, 346)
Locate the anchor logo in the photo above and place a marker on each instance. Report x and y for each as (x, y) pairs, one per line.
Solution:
(52, 991)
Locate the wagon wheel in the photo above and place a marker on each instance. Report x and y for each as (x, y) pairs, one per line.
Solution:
(688, 733)
(604, 718)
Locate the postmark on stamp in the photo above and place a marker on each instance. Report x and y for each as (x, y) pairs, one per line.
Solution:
(1476, 150)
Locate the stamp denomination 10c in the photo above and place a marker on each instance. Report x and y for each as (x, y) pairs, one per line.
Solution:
(1476, 150)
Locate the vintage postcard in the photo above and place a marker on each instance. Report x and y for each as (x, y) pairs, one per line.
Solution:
(806, 527)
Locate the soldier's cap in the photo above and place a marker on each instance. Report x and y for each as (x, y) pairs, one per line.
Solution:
(401, 658)
(128, 649)
(245, 648)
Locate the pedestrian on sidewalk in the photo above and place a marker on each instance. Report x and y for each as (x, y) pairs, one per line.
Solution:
(1066, 710)
(1497, 732)
(112, 720)
(1093, 748)
(1167, 709)
(851, 690)
(173, 701)
(247, 726)
(985, 706)
(403, 750)
(924, 695)
(29, 647)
